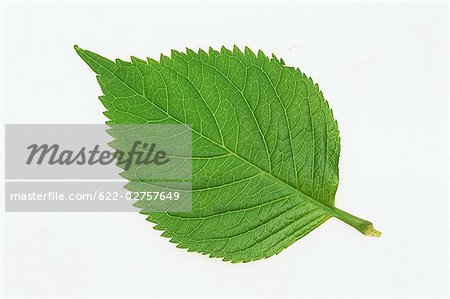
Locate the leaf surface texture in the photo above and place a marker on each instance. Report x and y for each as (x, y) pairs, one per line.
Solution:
(265, 146)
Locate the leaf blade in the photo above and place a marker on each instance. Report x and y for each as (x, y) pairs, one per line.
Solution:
(245, 116)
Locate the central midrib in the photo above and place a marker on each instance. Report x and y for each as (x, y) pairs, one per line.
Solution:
(329, 210)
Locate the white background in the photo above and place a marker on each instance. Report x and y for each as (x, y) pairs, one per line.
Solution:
(383, 68)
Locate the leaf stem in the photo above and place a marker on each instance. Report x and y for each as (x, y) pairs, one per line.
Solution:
(364, 226)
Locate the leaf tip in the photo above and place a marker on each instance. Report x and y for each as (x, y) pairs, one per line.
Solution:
(78, 49)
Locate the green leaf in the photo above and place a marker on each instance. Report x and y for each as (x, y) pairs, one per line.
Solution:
(265, 146)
